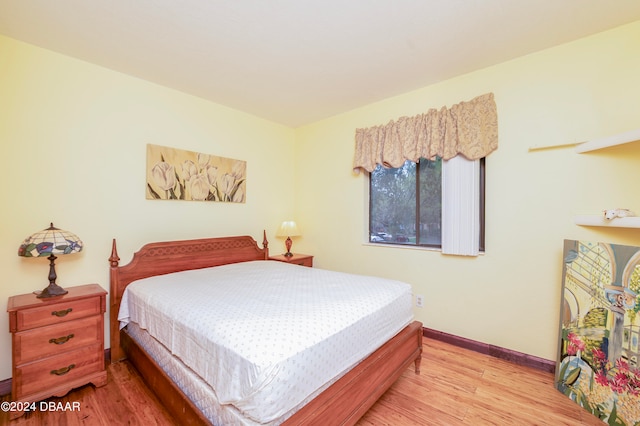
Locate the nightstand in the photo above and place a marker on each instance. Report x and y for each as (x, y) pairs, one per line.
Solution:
(296, 259)
(58, 343)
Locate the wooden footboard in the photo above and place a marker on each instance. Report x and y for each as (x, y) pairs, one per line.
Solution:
(343, 403)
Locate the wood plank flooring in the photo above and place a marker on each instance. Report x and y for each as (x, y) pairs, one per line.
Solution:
(461, 387)
(456, 387)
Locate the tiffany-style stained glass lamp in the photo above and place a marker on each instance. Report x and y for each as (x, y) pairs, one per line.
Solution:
(50, 242)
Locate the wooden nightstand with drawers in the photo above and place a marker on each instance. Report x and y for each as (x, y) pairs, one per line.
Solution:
(58, 343)
(296, 259)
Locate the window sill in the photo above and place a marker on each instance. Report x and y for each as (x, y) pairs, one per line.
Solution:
(408, 247)
(401, 246)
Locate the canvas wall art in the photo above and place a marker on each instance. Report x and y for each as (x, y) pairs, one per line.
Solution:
(599, 330)
(176, 174)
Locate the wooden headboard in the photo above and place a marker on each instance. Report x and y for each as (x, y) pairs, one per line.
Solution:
(174, 256)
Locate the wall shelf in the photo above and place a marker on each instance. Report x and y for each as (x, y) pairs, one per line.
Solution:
(619, 139)
(599, 220)
(593, 145)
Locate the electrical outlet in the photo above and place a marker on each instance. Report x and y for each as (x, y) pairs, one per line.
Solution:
(419, 300)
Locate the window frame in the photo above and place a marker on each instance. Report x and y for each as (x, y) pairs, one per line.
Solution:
(481, 218)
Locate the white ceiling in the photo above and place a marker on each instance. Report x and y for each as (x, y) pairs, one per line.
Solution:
(298, 61)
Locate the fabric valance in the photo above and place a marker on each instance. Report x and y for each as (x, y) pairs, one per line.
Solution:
(468, 128)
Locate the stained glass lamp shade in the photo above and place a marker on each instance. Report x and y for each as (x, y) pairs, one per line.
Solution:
(288, 229)
(50, 242)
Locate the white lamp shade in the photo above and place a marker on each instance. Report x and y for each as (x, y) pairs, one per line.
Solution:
(288, 229)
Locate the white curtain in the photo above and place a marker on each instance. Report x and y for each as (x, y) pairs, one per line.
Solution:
(461, 206)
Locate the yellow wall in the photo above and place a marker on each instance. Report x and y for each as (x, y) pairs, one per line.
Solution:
(510, 296)
(73, 151)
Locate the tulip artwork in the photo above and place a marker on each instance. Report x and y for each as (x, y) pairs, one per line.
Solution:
(175, 174)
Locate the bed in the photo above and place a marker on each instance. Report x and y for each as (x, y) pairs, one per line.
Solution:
(196, 391)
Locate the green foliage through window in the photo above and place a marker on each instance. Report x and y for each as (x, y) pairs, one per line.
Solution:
(406, 204)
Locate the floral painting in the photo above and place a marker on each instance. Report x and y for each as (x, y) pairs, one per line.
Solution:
(175, 174)
(599, 330)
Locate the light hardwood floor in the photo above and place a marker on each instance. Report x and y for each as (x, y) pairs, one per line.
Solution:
(456, 387)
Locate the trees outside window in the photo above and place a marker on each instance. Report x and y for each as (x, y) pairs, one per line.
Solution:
(405, 204)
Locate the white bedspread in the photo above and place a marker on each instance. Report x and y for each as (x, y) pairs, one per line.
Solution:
(265, 335)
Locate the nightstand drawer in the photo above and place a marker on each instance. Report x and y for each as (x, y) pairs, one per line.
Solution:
(56, 313)
(295, 259)
(307, 261)
(58, 370)
(42, 342)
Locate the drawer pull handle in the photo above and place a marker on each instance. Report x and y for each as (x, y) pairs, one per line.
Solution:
(61, 340)
(63, 370)
(61, 313)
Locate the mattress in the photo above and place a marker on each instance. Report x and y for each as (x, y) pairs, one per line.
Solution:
(192, 385)
(266, 336)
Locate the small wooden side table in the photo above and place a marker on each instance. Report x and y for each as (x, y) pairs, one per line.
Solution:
(58, 343)
(296, 259)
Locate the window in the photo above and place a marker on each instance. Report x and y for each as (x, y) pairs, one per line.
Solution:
(406, 204)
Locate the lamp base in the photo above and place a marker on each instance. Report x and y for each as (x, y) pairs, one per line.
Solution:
(288, 243)
(51, 291)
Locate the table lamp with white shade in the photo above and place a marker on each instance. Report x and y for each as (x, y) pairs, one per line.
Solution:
(288, 229)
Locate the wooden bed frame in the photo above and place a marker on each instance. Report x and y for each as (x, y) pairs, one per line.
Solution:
(343, 403)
